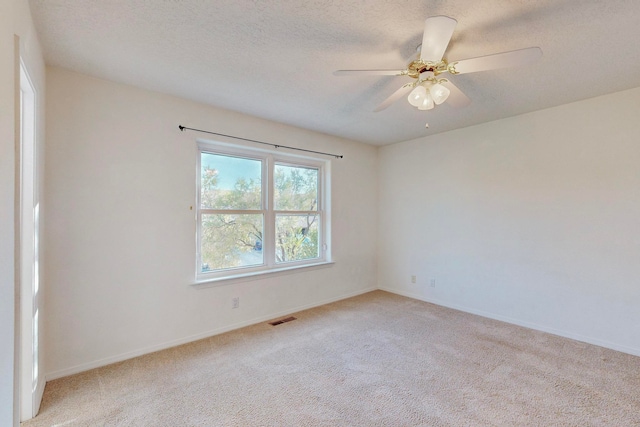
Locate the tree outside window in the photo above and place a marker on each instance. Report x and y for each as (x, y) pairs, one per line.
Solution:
(257, 212)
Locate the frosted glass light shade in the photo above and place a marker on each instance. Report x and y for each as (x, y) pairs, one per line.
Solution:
(417, 96)
(427, 103)
(439, 93)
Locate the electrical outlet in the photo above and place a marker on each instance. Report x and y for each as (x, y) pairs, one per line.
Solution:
(235, 303)
(433, 283)
(413, 279)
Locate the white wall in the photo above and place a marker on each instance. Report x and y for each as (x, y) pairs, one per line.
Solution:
(15, 19)
(533, 219)
(121, 237)
(7, 228)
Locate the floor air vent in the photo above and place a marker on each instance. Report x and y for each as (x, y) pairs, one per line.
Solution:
(281, 321)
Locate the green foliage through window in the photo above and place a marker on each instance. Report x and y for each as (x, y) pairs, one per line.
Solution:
(233, 213)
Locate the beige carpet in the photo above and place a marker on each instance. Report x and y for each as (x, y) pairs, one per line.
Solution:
(374, 360)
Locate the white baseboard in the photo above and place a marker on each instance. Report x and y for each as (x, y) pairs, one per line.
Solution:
(38, 395)
(589, 340)
(151, 349)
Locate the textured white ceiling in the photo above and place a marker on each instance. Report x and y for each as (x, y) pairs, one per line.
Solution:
(274, 59)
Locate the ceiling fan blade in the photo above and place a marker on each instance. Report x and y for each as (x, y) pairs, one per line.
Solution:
(394, 97)
(368, 72)
(456, 97)
(437, 34)
(513, 58)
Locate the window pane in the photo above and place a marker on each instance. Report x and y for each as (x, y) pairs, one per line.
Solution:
(296, 237)
(230, 182)
(296, 188)
(230, 241)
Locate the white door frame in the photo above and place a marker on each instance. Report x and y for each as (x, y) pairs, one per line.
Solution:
(30, 383)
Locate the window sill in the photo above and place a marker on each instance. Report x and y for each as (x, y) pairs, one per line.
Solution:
(257, 275)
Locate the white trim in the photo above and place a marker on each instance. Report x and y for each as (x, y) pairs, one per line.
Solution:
(269, 159)
(146, 350)
(256, 275)
(589, 340)
(269, 224)
(239, 149)
(39, 392)
(30, 377)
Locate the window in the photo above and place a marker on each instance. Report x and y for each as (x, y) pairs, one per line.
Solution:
(259, 211)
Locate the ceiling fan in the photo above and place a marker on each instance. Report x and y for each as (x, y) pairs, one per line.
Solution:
(427, 89)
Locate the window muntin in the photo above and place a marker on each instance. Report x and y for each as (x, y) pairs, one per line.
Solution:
(258, 211)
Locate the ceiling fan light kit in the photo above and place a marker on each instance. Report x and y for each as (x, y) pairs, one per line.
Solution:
(428, 90)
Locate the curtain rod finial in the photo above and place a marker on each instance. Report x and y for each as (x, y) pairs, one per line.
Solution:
(181, 128)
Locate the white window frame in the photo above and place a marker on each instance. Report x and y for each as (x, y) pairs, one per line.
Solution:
(269, 159)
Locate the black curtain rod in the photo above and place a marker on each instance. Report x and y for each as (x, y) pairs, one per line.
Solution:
(337, 156)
